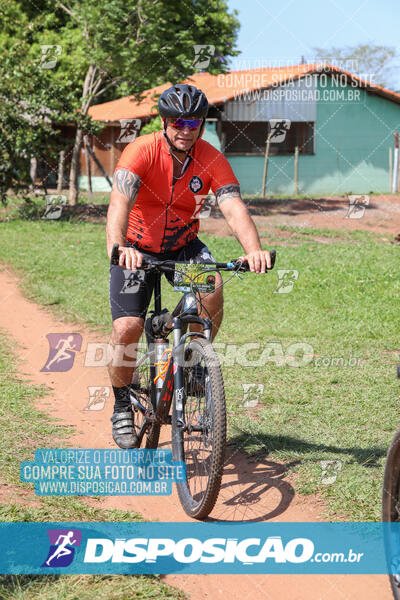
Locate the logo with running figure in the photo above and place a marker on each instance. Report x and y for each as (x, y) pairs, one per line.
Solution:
(286, 280)
(98, 396)
(129, 130)
(357, 206)
(50, 54)
(62, 547)
(195, 184)
(204, 204)
(132, 281)
(54, 206)
(63, 347)
(278, 130)
(203, 55)
(252, 394)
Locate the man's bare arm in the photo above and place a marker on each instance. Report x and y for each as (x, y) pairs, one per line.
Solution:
(127, 184)
(123, 197)
(242, 226)
(237, 216)
(231, 190)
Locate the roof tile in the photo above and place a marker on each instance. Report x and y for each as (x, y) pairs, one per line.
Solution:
(223, 87)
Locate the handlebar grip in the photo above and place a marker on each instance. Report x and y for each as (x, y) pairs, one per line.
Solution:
(115, 255)
(245, 266)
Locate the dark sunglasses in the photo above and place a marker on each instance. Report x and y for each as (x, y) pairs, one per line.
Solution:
(182, 123)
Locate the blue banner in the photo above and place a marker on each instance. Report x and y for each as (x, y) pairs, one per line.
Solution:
(130, 548)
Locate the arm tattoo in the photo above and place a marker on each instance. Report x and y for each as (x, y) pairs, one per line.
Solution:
(127, 184)
(231, 190)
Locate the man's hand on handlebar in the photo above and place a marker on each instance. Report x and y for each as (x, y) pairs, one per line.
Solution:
(259, 260)
(130, 258)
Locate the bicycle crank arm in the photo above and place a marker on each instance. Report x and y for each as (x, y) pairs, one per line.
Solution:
(138, 405)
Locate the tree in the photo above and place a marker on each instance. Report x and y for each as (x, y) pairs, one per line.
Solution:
(34, 101)
(102, 50)
(368, 61)
(154, 125)
(129, 46)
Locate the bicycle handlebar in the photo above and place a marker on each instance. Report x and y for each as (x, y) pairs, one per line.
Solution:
(234, 265)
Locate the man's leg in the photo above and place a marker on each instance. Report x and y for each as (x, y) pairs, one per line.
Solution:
(128, 308)
(214, 303)
(125, 335)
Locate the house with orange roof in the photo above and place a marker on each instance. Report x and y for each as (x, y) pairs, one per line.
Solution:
(339, 126)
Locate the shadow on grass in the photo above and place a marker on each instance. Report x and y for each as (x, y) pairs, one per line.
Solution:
(368, 457)
(255, 488)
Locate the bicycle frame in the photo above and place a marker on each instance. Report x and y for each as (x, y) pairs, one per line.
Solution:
(157, 330)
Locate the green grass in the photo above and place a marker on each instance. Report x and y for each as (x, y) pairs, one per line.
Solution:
(303, 233)
(270, 196)
(16, 207)
(85, 587)
(23, 428)
(72, 257)
(344, 304)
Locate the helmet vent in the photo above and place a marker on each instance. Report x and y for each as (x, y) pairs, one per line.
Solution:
(183, 100)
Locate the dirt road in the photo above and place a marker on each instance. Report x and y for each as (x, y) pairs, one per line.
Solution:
(251, 491)
(381, 215)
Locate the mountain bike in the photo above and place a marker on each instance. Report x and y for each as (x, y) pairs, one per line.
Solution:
(186, 377)
(391, 512)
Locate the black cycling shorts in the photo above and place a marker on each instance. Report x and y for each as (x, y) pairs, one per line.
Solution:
(131, 291)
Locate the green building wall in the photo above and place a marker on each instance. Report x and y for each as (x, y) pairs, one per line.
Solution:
(352, 141)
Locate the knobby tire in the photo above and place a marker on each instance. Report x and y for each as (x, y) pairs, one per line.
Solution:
(203, 452)
(391, 509)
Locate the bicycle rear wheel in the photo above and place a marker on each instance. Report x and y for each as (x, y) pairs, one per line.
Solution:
(148, 433)
(202, 444)
(391, 510)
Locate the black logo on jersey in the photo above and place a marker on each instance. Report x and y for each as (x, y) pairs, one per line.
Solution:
(195, 184)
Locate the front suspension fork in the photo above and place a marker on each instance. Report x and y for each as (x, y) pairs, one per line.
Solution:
(178, 357)
(179, 390)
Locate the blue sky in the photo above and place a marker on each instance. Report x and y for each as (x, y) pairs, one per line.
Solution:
(286, 30)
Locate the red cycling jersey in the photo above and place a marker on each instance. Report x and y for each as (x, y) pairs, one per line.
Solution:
(165, 214)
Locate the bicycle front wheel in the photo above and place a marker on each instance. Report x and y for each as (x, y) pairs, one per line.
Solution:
(391, 510)
(201, 444)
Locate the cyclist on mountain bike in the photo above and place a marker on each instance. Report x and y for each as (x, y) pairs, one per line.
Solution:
(159, 182)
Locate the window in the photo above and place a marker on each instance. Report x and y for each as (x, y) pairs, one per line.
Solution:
(245, 137)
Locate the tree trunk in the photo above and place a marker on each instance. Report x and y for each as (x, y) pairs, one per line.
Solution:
(76, 152)
(74, 172)
(89, 170)
(33, 172)
(60, 177)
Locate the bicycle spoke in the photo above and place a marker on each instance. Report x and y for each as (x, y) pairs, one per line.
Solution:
(201, 445)
(142, 392)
